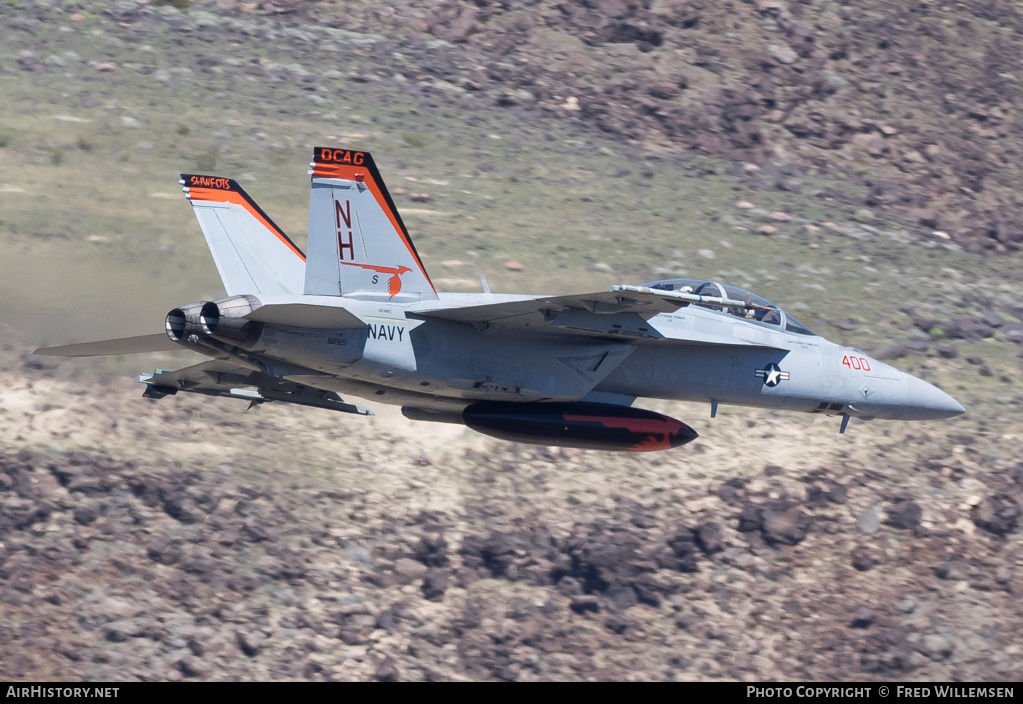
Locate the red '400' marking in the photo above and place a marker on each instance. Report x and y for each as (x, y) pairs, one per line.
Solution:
(859, 363)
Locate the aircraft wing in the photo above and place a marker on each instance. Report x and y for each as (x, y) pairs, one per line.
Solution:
(125, 345)
(645, 305)
(226, 379)
(622, 310)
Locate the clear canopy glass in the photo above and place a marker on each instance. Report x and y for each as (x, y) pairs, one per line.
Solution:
(759, 309)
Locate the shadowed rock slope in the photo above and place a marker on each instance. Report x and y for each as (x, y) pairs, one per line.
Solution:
(920, 99)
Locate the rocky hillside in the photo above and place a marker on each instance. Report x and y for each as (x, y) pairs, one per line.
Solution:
(113, 570)
(155, 540)
(189, 539)
(919, 99)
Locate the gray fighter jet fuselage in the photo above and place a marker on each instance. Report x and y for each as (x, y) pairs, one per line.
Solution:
(359, 316)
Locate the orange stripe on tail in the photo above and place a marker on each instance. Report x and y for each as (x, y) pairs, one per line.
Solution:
(349, 165)
(221, 190)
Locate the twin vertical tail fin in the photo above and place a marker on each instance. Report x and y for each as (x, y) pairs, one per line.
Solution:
(252, 254)
(358, 244)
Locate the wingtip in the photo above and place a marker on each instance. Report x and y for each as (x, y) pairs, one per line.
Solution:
(51, 352)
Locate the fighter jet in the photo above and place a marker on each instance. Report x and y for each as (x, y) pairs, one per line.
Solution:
(358, 315)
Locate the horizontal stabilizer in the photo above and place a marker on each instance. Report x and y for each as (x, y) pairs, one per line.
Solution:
(125, 345)
(305, 316)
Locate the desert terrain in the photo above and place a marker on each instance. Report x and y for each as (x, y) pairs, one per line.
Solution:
(858, 165)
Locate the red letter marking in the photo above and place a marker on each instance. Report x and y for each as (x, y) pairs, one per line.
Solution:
(344, 214)
(342, 156)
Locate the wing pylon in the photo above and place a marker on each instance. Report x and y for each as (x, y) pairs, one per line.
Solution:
(228, 380)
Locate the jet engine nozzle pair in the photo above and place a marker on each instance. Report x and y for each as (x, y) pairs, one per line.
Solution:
(222, 320)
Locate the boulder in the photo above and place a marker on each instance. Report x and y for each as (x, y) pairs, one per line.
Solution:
(435, 583)
(998, 514)
(409, 569)
(709, 538)
(905, 514)
(785, 527)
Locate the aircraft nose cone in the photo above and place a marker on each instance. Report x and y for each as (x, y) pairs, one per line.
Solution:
(927, 402)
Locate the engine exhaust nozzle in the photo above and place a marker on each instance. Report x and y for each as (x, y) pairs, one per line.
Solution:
(184, 321)
(224, 320)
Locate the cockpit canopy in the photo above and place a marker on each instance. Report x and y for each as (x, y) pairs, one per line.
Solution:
(760, 310)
